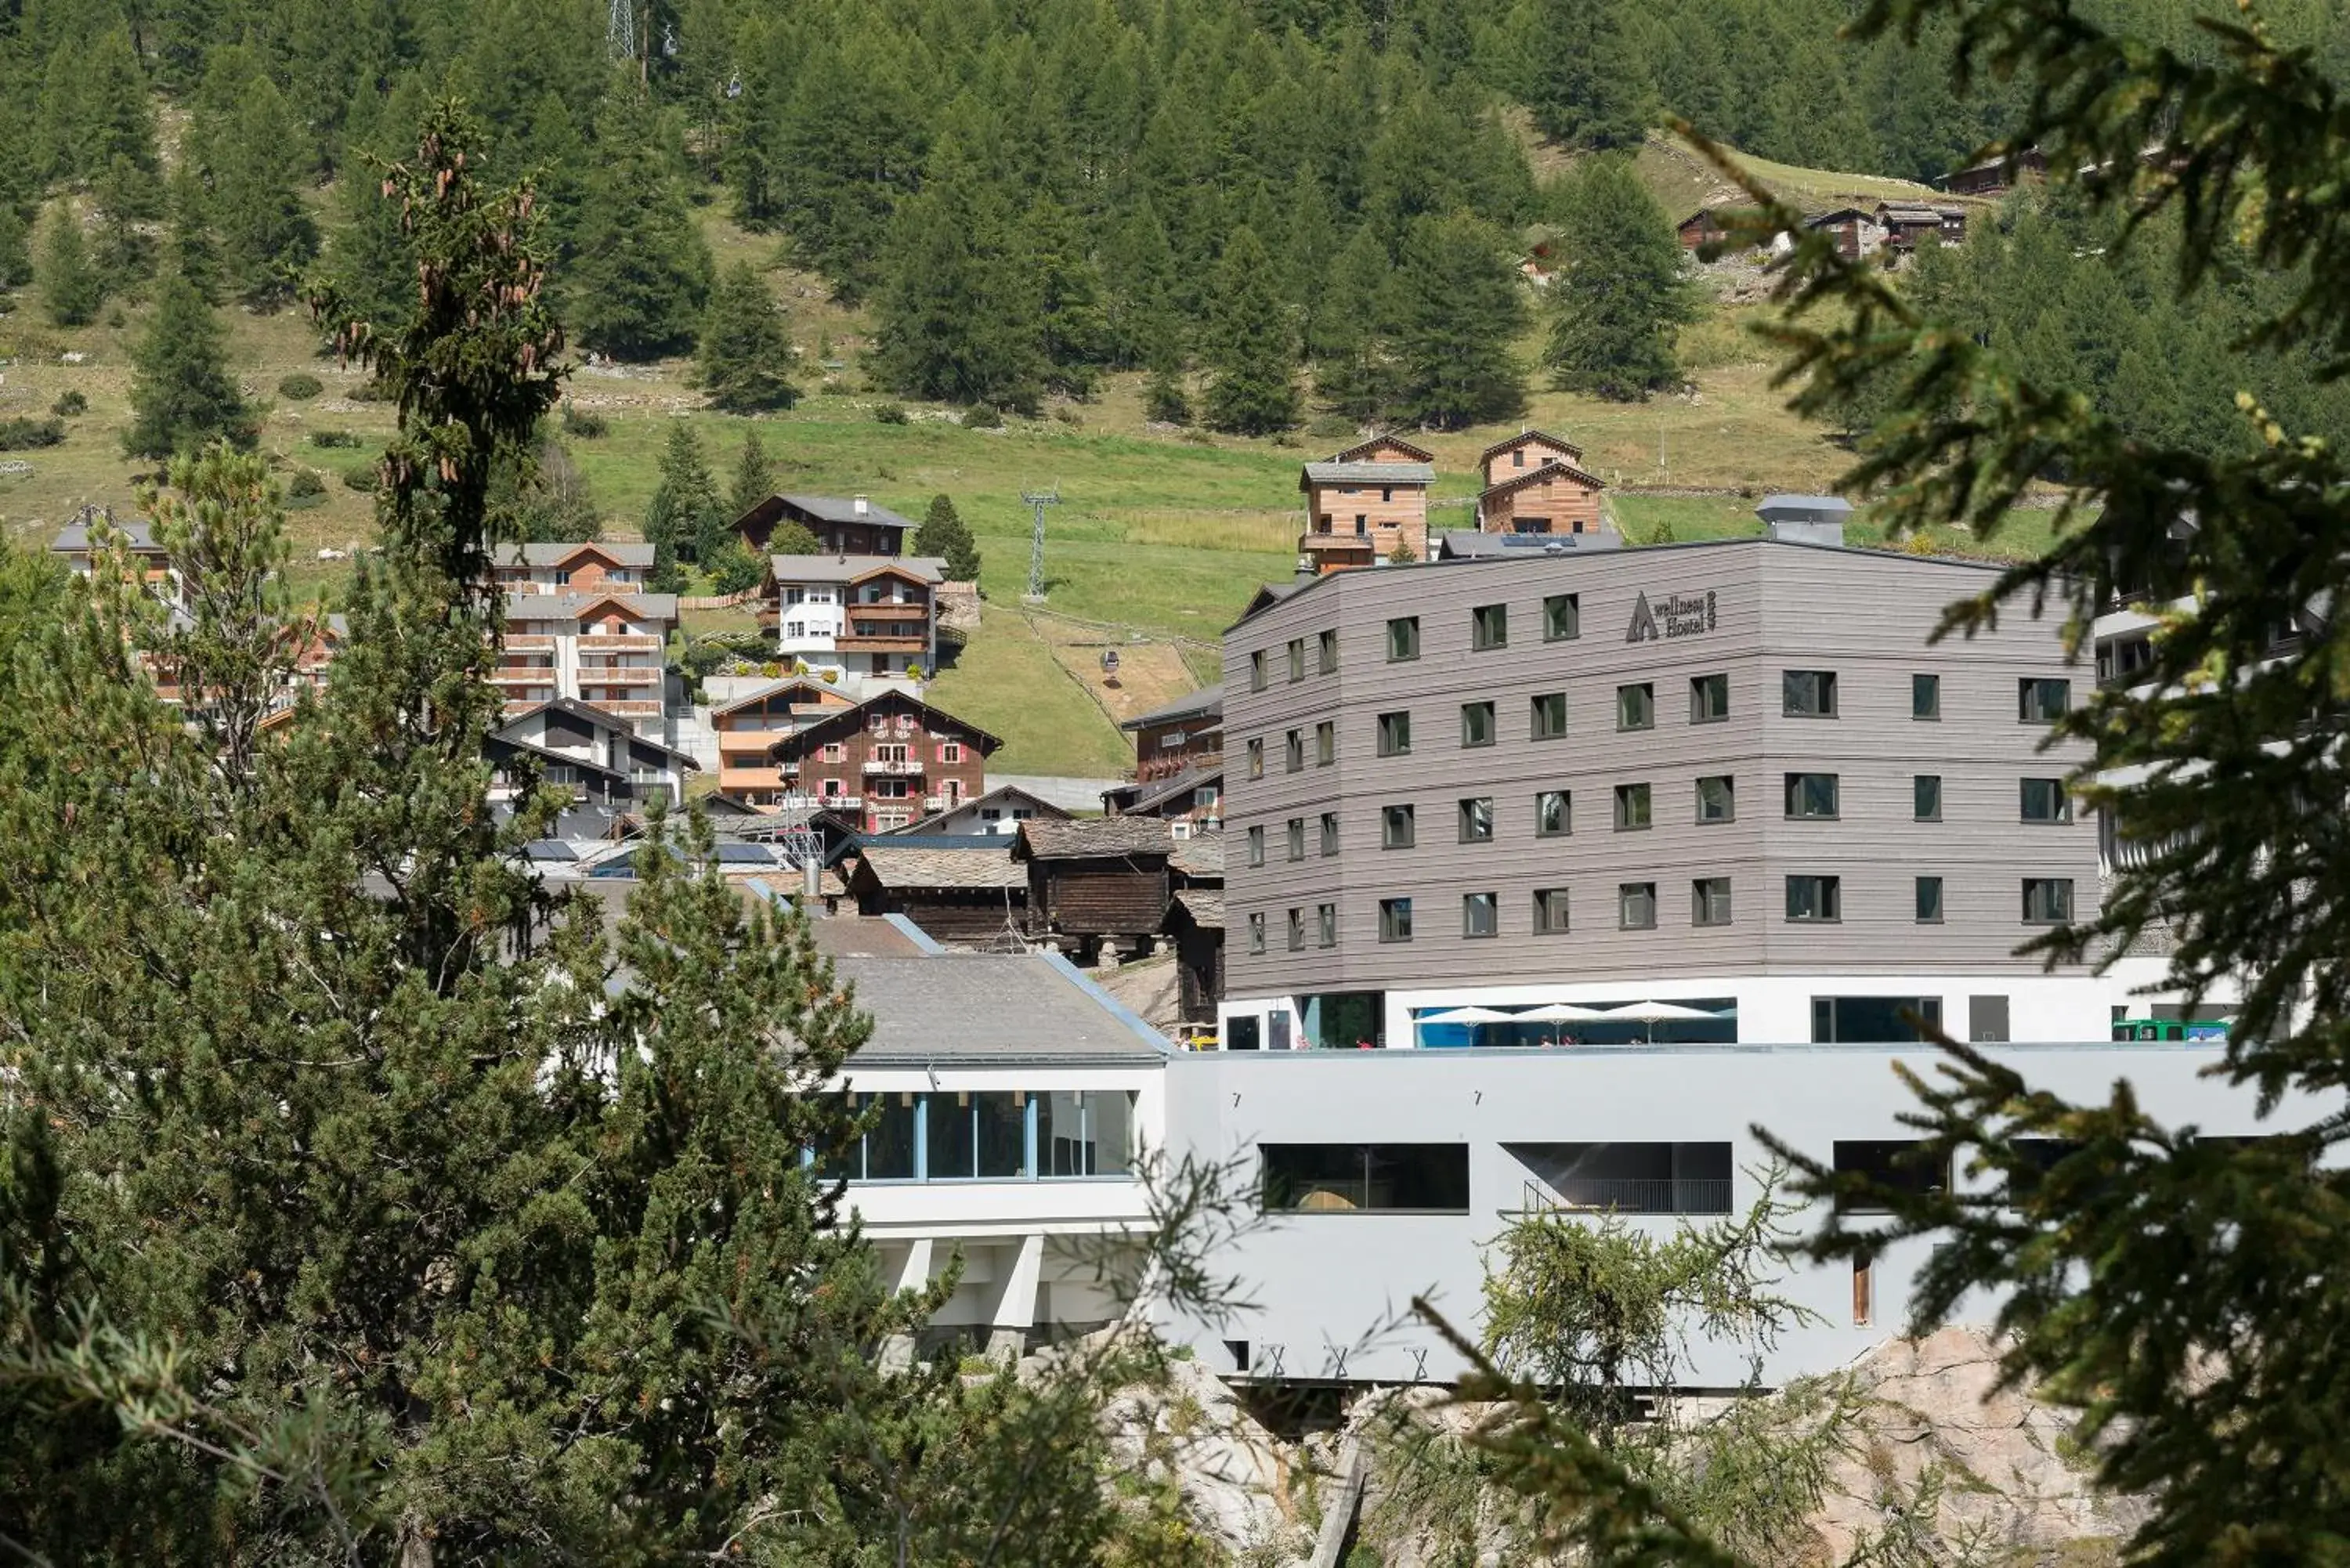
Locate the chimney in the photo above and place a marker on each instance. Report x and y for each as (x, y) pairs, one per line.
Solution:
(858, 504)
(811, 882)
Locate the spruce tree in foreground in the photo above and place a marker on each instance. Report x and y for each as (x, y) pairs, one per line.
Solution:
(72, 289)
(1620, 295)
(183, 394)
(1250, 353)
(945, 535)
(745, 358)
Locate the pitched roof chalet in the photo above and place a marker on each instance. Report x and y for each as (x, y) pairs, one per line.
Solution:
(568, 606)
(788, 683)
(619, 552)
(1365, 473)
(1538, 438)
(843, 508)
(1150, 796)
(1519, 480)
(995, 797)
(139, 536)
(927, 866)
(1208, 702)
(834, 725)
(1099, 838)
(597, 717)
(1354, 453)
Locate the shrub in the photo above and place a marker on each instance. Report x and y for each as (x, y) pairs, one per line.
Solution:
(832, 678)
(306, 481)
(585, 423)
(21, 435)
(889, 414)
(983, 417)
(70, 404)
(772, 670)
(363, 479)
(1068, 414)
(370, 391)
(300, 387)
(1332, 427)
(913, 672)
(334, 438)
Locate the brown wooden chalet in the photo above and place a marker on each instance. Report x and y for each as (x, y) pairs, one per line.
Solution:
(1367, 504)
(748, 728)
(1700, 228)
(1105, 880)
(1516, 456)
(969, 893)
(1856, 233)
(887, 761)
(1554, 493)
(843, 526)
(1906, 223)
(1994, 176)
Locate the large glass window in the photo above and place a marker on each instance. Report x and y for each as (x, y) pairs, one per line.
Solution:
(1086, 1132)
(1809, 694)
(1476, 819)
(1903, 1165)
(1811, 796)
(1550, 716)
(1631, 806)
(1629, 1177)
(1395, 827)
(1393, 1178)
(2047, 900)
(1873, 1019)
(951, 1130)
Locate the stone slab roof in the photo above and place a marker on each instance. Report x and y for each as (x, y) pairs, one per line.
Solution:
(920, 866)
(989, 1007)
(1084, 838)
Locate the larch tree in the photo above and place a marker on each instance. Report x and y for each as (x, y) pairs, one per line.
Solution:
(1588, 86)
(956, 311)
(265, 231)
(1354, 371)
(640, 272)
(72, 289)
(755, 475)
(181, 394)
(745, 358)
(1620, 295)
(1457, 309)
(1250, 354)
(686, 515)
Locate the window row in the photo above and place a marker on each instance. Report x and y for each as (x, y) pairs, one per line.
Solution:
(987, 1135)
(1325, 660)
(1489, 627)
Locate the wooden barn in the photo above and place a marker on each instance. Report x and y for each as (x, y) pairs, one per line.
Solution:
(1195, 919)
(967, 893)
(1101, 880)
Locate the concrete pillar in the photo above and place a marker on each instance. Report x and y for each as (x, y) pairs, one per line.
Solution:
(1013, 1312)
(913, 1275)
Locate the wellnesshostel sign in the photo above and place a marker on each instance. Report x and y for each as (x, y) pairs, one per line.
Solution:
(1680, 615)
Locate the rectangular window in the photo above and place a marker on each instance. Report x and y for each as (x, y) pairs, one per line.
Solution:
(1550, 909)
(1562, 618)
(1925, 696)
(1874, 1020)
(1476, 819)
(1325, 742)
(1489, 627)
(1710, 901)
(1257, 670)
(1708, 699)
(1297, 839)
(1477, 727)
(1256, 845)
(1631, 806)
(2047, 900)
(2045, 800)
(1329, 834)
(1292, 750)
(1929, 900)
(1395, 734)
(1717, 798)
(1553, 814)
(1326, 924)
(1395, 919)
(1082, 1132)
(1403, 639)
(951, 752)
(1635, 905)
(1395, 827)
(1811, 796)
(1297, 658)
(1808, 693)
(1636, 707)
(1925, 797)
(1814, 899)
(1257, 758)
(1297, 930)
(1256, 933)
(1902, 1165)
(2041, 702)
(1347, 1177)
(1630, 1177)
(1325, 652)
(1549, 715)
(1478, 917)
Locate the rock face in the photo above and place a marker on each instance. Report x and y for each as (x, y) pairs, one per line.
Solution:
(1255, 1496)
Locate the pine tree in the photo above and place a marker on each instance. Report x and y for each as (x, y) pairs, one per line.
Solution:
(127, 198)
(944, 535)
(265, 231)
(1076, 336)
(1249, 352)
(1589, 86)
(182, 395)
(189, 250)
(685, 518)
(641, 277)
(755, 475)
(1620, 292)
(956, 305)
(15, 247)
(745, 358)
(72, 289)
(1353, 370)
(1459, 308)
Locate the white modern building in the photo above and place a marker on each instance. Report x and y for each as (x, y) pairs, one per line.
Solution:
(866, 615)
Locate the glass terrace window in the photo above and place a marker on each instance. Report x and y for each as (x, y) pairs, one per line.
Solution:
(1815, 897)
(1395, 827)
(1811, 796)
(1403, 639)
(1808, 693)
(1297, 839)
(1636, 707)
(1351, 1178)
(1710, 901)
(2047, 900)
(1553, 814)
(2039, 701)
(1476, 819)
(1489, 627)
(1257, 670)
(1330, 833)
(1325, 742)
(1325, 922)
(1256, 845)
(1085, 1132)
(1562, 617)
(1925, 797)
(1325, 651)
(1929, 900)
(1550, 715)
(1257, 758)
(1395, 919)
(1477, 728)
(1256, 933)
(1708, 699)
(1925, 696)
(1477, 915)
(1550, 910)
(2045, 800)
(1717, 799)
(1631, 806)
(1297, 930)
(1395, 734)
(1635, 905)
(1297, 658)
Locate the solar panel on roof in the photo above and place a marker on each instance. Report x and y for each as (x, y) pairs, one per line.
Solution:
(550, 849)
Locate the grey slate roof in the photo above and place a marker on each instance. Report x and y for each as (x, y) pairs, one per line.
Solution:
(628, 553)
(73, 539)
(996, 797)
(1200, 857)
(843, 508)
(1370, 473)
(1084, 838)
(987, 1007)
(915, 866)
(1204, 904)
(849, 568)
(1208, 702)
(1158, 791)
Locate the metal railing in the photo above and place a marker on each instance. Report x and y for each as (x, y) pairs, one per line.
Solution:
(882, 765)
(1630, 1195)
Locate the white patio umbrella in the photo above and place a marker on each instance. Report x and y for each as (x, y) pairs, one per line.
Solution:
(1564, 1012)
(1655, 1013)
(1470, 1016)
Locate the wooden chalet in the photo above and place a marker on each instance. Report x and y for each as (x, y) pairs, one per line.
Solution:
(1994, 176)
(1700, 228)
(1000, 812)
(1178, 736)
(1102, 881)
(1367, 504)
(1857, 234)
(843, 526)
(1195, 921)
(588, 567)
(1907, 223)
(887, 761)
(748, 728)
(968, 893)
(1559, 497)
(1514, 457)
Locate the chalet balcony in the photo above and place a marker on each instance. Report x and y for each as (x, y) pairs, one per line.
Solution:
(885, 609)
(529, 643)
(619, 675)
(934, 803)
(618, 642)
(865, 641)
(522, 675)
(623, 708)
(909, 768)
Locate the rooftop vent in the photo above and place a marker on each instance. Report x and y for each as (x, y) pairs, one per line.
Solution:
(1805, 519)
